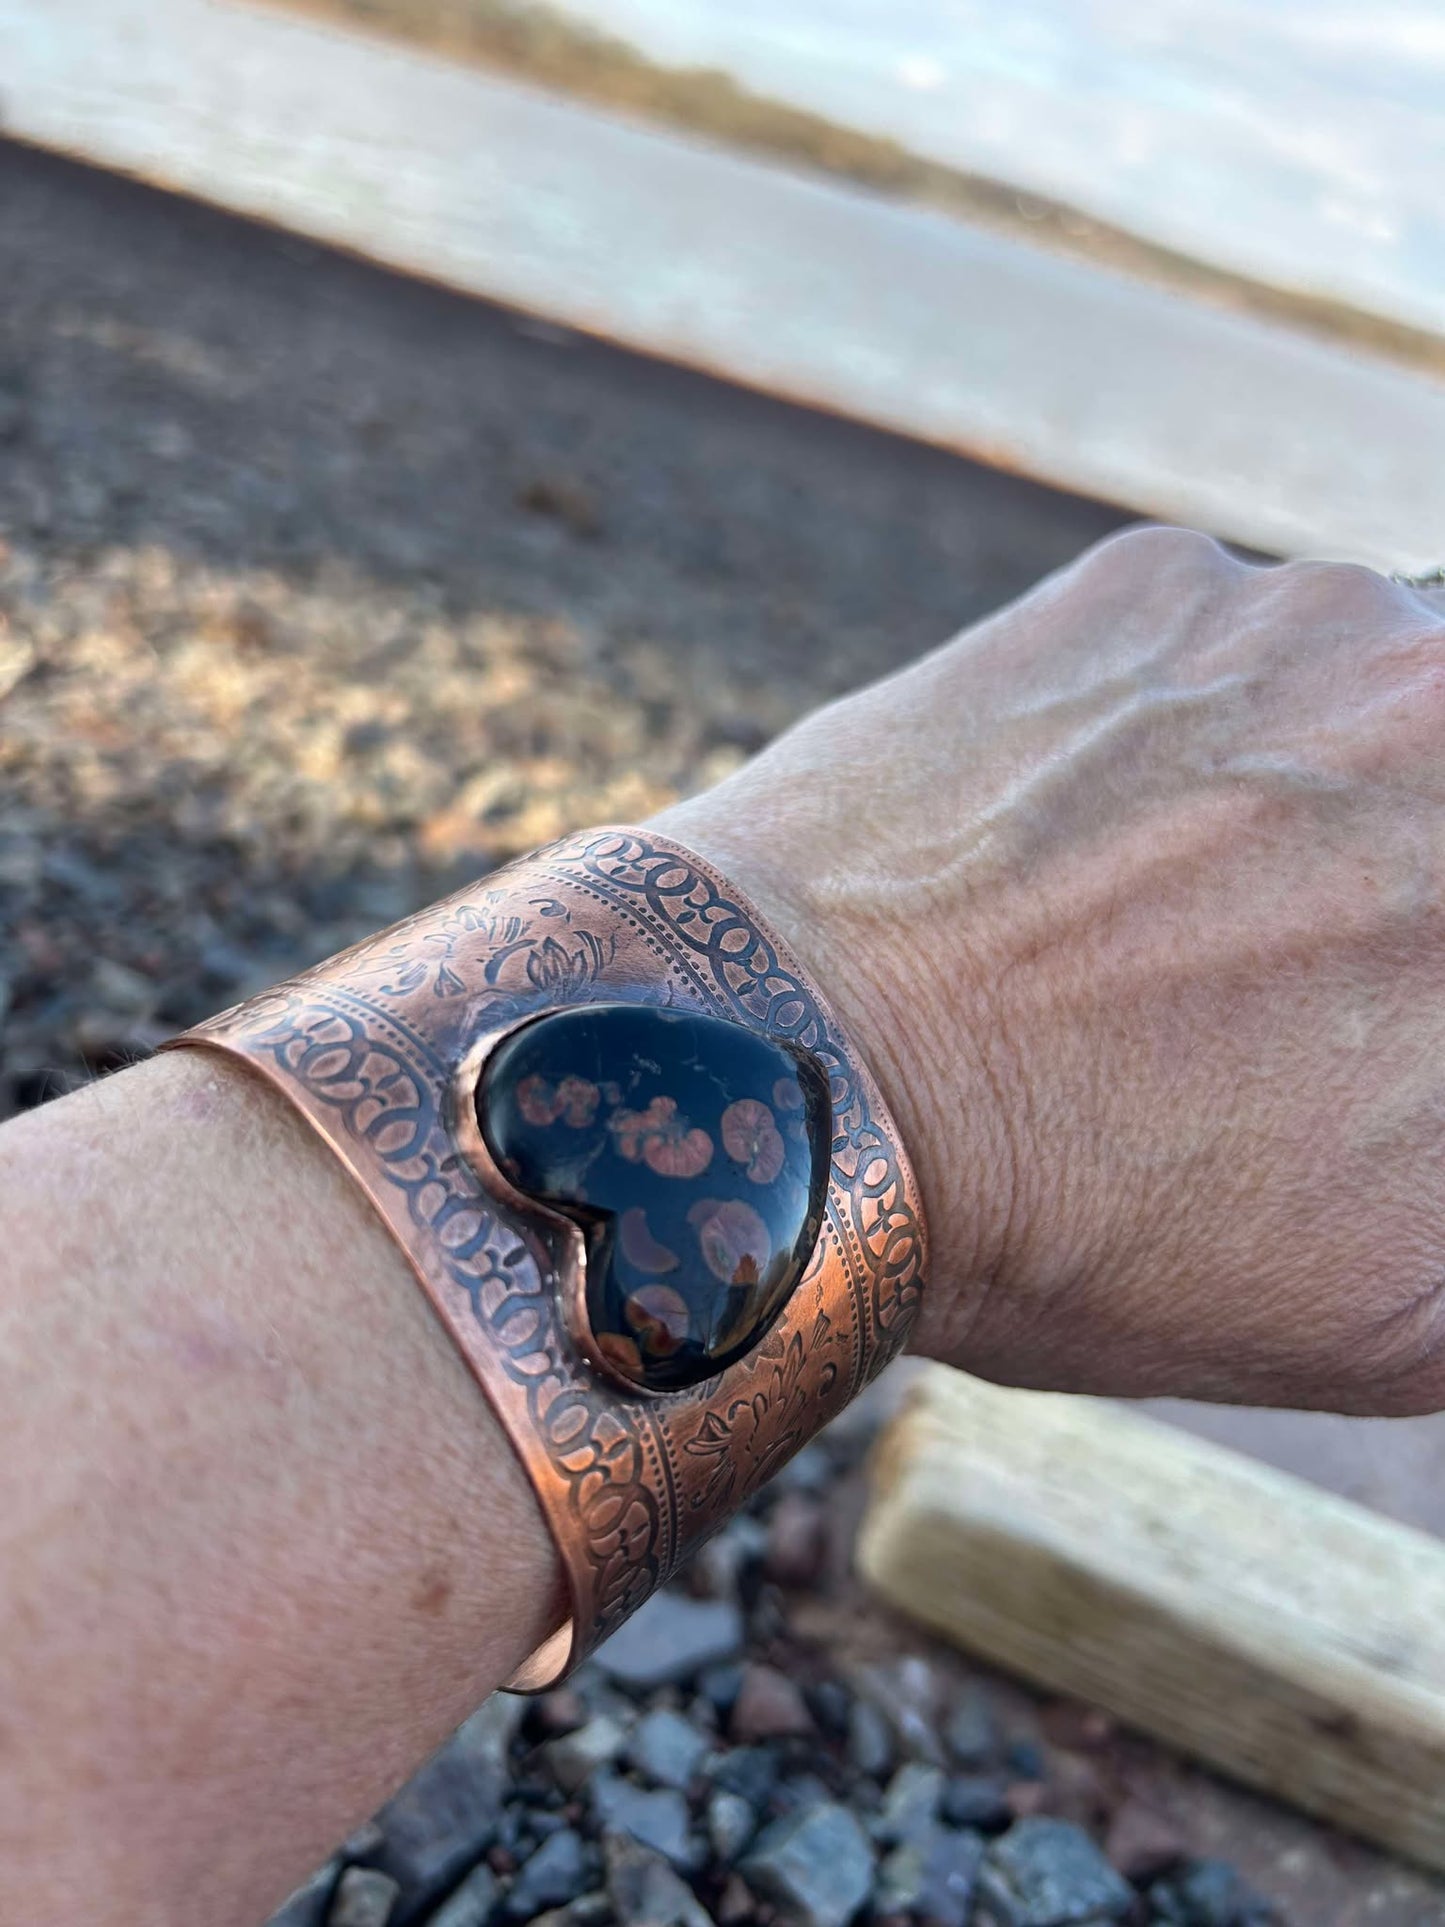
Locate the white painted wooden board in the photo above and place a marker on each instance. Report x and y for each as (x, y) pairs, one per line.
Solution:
(801, 287)
(1288, 1637)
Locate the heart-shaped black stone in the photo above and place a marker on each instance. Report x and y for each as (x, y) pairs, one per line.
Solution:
(693, 1154)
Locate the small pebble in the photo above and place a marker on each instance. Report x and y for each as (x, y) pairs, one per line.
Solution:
(561, 1711)
(1026, 1761)
(1049, 1873)
(644, 1891)
(811, 1470)
(830, 1704)
(364, 1898)
(472, 1904)
(658, 1818)
(122, 989)
(666, 1749)
(870, 1739)
(768, 1706)
(670, 1639)
(307, 1907)
(1209, 1893)
(796, 1541)
(933, 1877)
(1142, 1842)
(898, 1890)
(719, 1686)
(907, 1693)
(970, 1733)
(722, 1567)
(367, 1840)
(800, 1792)
(816, 1865)
(751, 1771)
(950, 1877)
(573, 1758)
(910, 1804)
(735, 1904)
(768, 1617)
(488, 1734)
(1026, 1798)
(556, 1872)
(975, 1800)
(731, 1824)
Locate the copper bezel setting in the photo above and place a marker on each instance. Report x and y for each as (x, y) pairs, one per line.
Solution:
(562, 1252)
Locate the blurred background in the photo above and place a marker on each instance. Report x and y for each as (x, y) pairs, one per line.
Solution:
(427, 426)
(1294, 147)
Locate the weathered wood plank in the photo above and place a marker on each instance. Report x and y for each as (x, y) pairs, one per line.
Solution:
(802, 287)
(1287, 1637)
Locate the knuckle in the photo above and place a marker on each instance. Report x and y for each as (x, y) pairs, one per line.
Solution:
(1149, 548)
(1339, 592)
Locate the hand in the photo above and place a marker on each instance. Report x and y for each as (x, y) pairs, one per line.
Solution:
(1133, 897)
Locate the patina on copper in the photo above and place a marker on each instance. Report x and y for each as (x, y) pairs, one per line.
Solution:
(383, 1049)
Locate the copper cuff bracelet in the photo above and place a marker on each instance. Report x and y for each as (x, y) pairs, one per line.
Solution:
(651, 1192)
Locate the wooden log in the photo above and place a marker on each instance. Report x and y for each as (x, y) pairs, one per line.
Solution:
(804, 287)
(1288, 1637)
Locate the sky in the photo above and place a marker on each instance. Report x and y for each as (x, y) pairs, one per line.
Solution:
(1299, 141)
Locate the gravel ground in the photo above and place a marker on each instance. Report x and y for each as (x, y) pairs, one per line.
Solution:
(732, 1756)
(320, 591)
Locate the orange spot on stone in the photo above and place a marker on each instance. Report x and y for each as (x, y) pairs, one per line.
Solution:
(687, 1156)
(620, 1353)
(733, 1238)
(662, 1140)
(639, 1247)
(537, 1101)
(751, 1138)
(659, 1317)
(633, 1129)
(577, 1101)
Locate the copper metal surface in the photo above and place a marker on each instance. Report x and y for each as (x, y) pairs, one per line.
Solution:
(381, 1048)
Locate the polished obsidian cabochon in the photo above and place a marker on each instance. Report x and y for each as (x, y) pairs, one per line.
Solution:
(694, 1156)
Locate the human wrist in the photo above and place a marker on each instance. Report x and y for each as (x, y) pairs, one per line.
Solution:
(929, 1028)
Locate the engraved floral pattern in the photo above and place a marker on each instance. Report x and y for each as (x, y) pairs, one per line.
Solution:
(747, 1440)
(567, 971)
